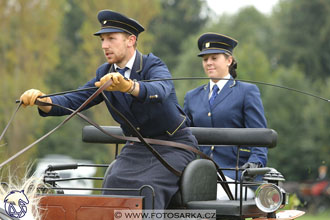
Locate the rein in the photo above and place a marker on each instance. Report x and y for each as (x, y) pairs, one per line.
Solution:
(146, 141)
(139, 137)
(201, 78)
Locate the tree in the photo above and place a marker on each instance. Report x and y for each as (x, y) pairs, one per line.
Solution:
(302, 30)
(298, 121)
(27, 53)
(178, 20)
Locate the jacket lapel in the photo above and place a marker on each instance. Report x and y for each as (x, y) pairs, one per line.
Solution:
(135, 74)
(225, 91)
(137, 67)
(206, 95)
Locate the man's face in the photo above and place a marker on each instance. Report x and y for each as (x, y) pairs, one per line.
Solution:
(115, 47)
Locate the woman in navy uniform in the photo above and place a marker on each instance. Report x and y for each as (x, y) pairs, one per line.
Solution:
(152, 108)
(225, 103)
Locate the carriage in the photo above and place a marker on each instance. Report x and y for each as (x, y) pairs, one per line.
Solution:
(198, 185)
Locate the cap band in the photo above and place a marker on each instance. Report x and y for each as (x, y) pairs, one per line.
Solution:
(119, 25)
(217, 46)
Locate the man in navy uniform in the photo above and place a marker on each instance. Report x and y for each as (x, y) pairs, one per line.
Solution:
(152, 108)
(225, 103)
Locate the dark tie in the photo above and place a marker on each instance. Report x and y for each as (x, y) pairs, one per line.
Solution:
(122, 71)
(215, 90)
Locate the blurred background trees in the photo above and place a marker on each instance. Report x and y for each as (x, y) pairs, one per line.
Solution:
(50, 45)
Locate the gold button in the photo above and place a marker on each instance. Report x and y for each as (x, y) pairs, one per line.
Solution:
(212, 148)
(138, 128)
(153, 96)
(209, 114)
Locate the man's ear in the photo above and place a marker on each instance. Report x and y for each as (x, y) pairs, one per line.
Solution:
(131, 40)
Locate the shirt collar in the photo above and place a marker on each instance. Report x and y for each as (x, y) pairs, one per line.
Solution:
(130, 63)
(220, 83)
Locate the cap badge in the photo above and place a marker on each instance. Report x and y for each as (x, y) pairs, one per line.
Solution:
(104, 22)
(207, 45)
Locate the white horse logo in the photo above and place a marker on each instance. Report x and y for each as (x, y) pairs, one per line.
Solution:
(15, 203)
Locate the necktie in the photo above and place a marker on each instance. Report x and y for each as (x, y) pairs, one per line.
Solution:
(215, 90)
(122, 71)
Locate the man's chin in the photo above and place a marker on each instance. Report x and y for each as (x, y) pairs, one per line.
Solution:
(111, 61)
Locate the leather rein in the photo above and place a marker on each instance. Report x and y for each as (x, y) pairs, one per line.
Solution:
(139, 138)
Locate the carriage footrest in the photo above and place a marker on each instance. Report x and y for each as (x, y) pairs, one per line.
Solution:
(227, 207)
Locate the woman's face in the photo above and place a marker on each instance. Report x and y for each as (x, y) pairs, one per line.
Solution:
(216, 65)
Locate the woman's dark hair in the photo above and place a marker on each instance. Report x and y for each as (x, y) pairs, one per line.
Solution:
(232, 67)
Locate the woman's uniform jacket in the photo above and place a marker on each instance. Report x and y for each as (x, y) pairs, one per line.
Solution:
(236, 106)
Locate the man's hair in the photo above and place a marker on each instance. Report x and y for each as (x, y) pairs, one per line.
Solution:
(127, 35)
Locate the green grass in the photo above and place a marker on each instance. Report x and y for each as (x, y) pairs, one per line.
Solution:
(320, 216)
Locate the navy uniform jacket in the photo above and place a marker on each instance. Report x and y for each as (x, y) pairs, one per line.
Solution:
(154, 112)
(239, 106)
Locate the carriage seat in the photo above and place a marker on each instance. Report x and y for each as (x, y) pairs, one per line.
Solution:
(198, 184)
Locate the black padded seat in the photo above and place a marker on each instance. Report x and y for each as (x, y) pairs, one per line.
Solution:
(228, 207)
(198, 183)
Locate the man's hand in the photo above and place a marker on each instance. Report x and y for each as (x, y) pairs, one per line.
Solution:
(119, 83)
(29, 97)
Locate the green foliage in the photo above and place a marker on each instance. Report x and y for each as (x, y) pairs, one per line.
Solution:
(28, 52)
(303, 28)
(50, 45)
(297, 137)
(178, 20)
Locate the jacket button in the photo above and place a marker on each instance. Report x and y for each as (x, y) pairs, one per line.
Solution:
(212, 148)
(209, 114)
(138, 128)
(153, 97)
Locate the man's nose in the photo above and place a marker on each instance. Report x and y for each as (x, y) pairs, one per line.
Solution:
(105, 44)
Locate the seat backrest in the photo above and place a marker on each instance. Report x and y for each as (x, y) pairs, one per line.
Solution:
(258, 137)
(198, 183)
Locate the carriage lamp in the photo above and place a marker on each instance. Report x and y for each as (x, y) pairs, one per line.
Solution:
(273, 176)
(269, 197)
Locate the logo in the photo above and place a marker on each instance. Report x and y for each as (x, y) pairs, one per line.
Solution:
(15, 204)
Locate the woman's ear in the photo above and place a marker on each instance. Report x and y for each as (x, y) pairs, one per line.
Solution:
(230, 60)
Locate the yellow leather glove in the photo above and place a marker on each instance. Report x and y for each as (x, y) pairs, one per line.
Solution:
(30, 96)
(119, 83)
